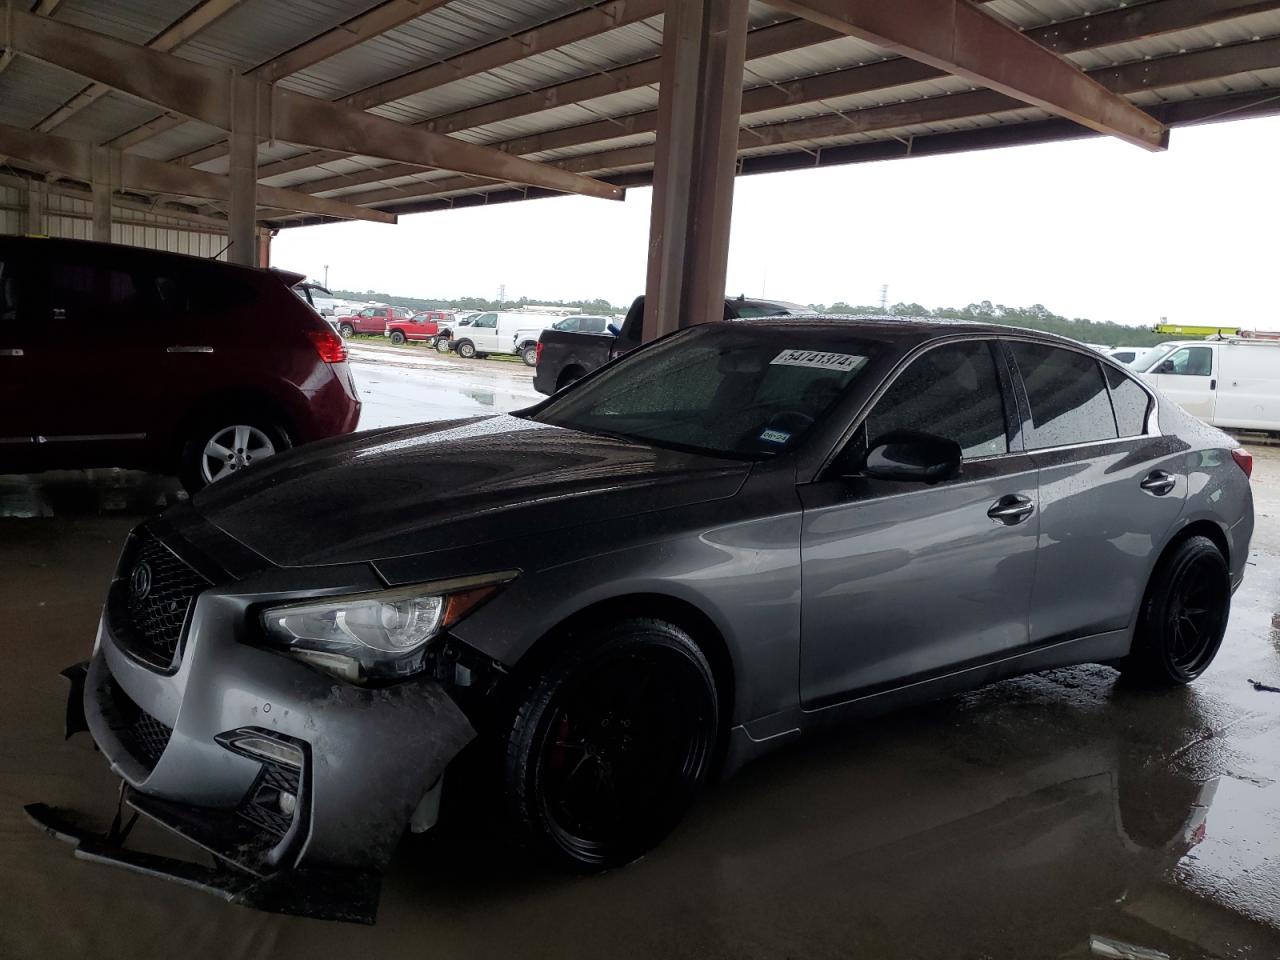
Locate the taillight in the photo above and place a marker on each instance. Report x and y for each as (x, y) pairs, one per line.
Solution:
(1243, 459)
(537, 354)
(328, 344)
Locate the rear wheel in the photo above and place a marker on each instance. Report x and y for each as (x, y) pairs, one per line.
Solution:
(1183, 616)
(568, 375)
(397, 337)
(346, 329)
(530, 355)
(609, 744)
(442, 344)
(222, 446)
(466, 349)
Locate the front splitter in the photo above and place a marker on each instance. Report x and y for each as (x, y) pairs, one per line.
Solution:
(349, 896)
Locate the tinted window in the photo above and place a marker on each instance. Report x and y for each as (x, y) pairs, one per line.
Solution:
(593, 324)
(1130, 402)
(1189, 362)
(1068, 396)
(1124, 356)
(714, 388)
(951, 392)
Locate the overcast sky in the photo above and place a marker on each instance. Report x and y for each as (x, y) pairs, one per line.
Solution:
(1095, 228)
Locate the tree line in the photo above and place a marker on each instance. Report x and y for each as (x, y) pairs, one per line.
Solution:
(477, 303)
(1035, 317)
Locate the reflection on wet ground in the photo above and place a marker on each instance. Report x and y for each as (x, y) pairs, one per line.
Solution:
(1055, 815)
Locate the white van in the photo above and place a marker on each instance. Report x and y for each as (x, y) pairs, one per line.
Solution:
(1230, 382)
(495, 332)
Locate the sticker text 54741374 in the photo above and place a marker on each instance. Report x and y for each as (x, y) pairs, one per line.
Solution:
(819, 359)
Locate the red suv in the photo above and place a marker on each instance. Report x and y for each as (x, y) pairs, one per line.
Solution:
(371, 320)
(119, 356)
(423, 326)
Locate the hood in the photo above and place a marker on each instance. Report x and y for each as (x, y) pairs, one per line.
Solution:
(411, 490)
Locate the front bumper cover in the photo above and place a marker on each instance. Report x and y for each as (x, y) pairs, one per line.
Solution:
(369, 755)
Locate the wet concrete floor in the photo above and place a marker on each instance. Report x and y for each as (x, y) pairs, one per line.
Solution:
(1055, 815)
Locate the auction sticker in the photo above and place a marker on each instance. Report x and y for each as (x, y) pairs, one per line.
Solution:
(816, 358)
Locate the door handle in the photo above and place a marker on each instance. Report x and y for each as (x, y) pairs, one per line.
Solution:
(10, 352)
(1158, 482)
(1011, 509)
(183, 349)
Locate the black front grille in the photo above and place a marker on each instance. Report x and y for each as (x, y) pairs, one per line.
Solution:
(151, 599)
(141, 734)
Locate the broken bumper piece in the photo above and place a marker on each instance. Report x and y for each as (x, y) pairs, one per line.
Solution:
(317, 892)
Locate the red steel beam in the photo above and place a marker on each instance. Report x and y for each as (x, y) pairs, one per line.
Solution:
(964, 40)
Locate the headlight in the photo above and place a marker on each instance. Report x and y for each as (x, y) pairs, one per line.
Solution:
(376, 636)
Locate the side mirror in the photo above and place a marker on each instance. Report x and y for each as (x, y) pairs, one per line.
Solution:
(1165, 367)
(916, 457)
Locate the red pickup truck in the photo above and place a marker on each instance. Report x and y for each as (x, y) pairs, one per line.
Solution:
(371, 320)
(420, 327)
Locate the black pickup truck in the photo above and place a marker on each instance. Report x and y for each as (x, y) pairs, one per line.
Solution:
(565, 356)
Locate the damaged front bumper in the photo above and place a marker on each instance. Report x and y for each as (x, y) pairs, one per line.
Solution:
(298, 785)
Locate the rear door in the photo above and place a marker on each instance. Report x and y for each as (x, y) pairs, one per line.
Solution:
(1189, 378)
(96, 366)
(19, 338)
(903, 582)
(1109, 489)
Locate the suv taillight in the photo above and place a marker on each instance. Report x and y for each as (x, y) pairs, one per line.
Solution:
(537, 354)
(1244, 460)
(328, 344)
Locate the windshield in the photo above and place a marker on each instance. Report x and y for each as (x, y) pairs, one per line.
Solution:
(722, 389)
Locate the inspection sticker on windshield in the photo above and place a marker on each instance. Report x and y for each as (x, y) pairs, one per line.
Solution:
(816, 358)
(775, 436)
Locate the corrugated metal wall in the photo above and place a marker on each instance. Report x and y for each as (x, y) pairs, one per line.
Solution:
(72, 217)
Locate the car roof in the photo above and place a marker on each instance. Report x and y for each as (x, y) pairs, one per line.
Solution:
(909, 330)
(93, 248)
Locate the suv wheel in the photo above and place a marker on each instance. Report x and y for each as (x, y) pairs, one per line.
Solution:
(397, 337)
(530, 355)
(609, 744)
(466, 349)
(346, 329)
(443, 344)
(223, 447)
(1183, 616)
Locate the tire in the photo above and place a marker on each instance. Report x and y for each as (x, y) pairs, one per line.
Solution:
(443, 345)
(264, 438)
(466, 349)
(608, 745)
(346, 329)
(569, 375)
(530, 355)
(1183, 616)
(397, 337)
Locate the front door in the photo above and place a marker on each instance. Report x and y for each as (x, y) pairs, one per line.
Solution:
(484, 333)
(903, 581)
(1188, 377)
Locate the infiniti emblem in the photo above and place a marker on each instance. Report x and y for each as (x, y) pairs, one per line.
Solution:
(140, 581)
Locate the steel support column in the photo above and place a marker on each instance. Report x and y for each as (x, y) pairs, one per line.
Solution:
(100, 181)
(35, 207)
(700, 97)
(242, 212)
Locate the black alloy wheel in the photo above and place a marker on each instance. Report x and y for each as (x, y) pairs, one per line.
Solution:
(611, 745)
(1183, 617)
